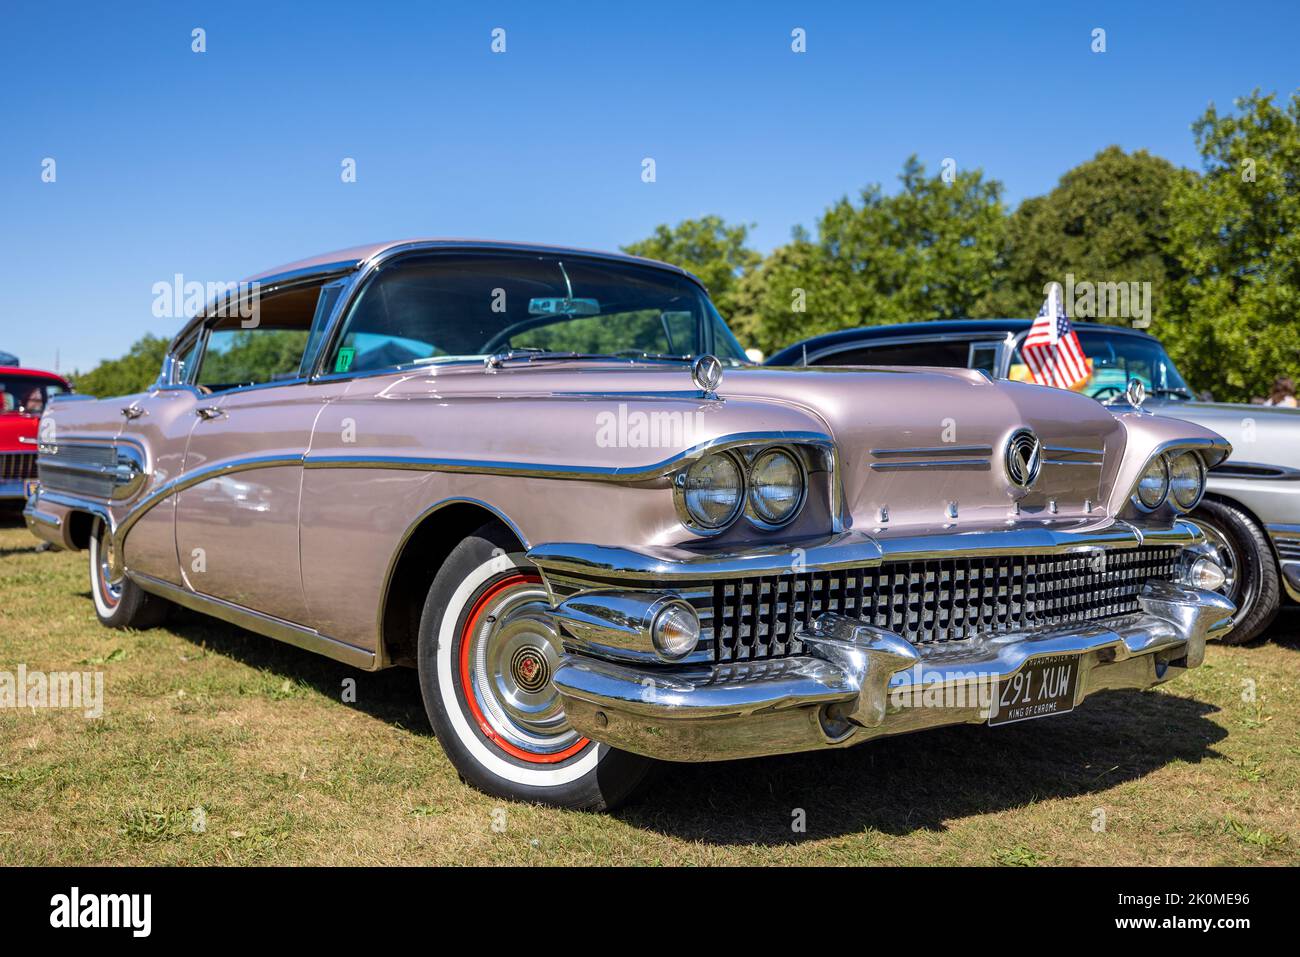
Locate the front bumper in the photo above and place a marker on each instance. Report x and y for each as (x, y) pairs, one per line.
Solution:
(857, 682)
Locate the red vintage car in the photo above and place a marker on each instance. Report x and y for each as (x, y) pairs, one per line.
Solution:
(23, 396)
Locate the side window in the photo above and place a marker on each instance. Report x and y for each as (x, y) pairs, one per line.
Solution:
(270, 348)
(984, 357)
(188, 355)
(937, 352)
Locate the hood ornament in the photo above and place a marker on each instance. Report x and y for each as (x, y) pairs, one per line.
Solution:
(706, 370)
(1024, 458)
(1136, 393)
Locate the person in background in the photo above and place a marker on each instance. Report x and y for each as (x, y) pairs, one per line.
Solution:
(1283, 393)
(34, 404)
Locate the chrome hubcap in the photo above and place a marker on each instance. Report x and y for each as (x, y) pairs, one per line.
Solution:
(512, 653)
(112, 593)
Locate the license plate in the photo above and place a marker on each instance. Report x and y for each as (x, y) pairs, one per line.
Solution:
(1042, 688)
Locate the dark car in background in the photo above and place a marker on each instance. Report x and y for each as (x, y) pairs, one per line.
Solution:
(1251, 510)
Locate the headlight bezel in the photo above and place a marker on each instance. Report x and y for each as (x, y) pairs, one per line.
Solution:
(751, 512)
(1165, 459)
(808, 457)
(1201, 477)
(1136, 497)
(681, 492)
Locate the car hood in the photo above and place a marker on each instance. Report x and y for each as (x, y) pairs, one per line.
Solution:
(912, 443)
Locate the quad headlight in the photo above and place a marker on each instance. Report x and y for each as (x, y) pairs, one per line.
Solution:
(1178, 478)
(712, 490)
(770, 485)
(776, 487)
(1186, 480)
(1153, 486)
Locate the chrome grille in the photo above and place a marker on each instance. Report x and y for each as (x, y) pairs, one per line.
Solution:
(17, 465)
(932, 601)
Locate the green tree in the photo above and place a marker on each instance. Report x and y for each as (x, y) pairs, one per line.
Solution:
(133, 372)
(1236, 231)
(707, 247)
(1106, 221)
(927, 252)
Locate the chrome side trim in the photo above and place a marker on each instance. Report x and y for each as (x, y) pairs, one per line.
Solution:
(276, 628)
(417, 463)
(179, 484)
(557, 471)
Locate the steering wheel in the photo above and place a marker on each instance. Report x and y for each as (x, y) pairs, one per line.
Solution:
(1106, 390)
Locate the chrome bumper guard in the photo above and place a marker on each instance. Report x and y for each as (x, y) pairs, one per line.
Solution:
(856, 682)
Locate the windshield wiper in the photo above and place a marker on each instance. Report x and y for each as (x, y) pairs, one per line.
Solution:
(534, 354)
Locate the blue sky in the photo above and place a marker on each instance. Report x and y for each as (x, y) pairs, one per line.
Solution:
(218, 165)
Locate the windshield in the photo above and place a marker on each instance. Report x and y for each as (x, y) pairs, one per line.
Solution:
(27, 394)
(441, 308)
(1113, 359)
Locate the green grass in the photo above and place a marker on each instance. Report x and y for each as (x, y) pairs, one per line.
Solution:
(222, 747)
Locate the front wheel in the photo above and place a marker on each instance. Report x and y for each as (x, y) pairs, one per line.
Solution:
(123, 604)
(487, 651)
(1251, 573)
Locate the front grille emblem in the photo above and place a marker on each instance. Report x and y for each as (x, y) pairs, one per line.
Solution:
(1024, 458)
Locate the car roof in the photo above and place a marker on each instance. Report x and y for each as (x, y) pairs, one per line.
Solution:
(37, 373)
(936, 328)
(357, 255)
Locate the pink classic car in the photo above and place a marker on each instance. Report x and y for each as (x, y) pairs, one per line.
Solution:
(548, 479)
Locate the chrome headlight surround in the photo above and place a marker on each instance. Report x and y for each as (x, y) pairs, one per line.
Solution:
(1155, 462)
(682, 489)
(753, 514)
(1198, 463)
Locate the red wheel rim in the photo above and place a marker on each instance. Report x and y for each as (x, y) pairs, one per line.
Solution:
(471, 622)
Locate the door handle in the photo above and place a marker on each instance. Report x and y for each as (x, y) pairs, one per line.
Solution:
(132, 411)
(208, 412)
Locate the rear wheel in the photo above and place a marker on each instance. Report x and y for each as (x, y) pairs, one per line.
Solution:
(487, 652)
(1249, 566)
(123, 604)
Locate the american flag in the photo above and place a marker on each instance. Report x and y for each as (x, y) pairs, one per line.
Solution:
(1052, 350)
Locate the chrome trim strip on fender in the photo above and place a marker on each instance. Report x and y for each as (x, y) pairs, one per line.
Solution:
(276, 628)
(638, 473)
(415, 463)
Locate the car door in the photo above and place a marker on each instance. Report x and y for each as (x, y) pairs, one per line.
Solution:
(237, 523)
